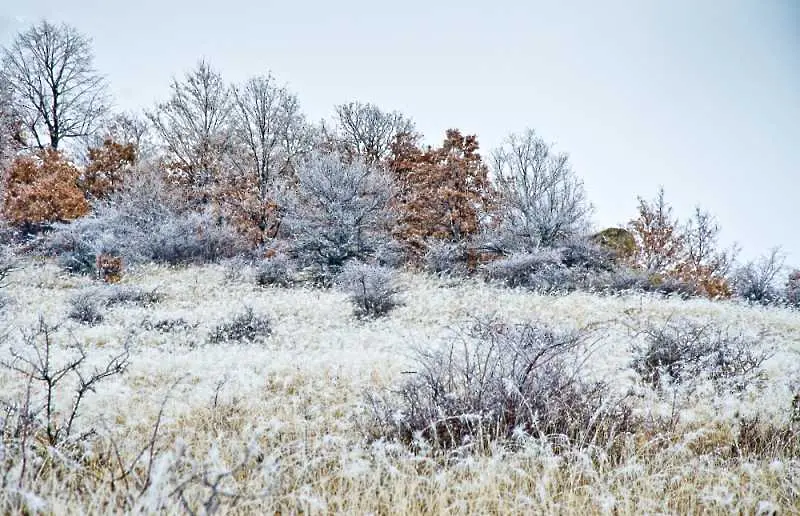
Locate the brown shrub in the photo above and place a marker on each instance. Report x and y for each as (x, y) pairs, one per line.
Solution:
(107, 167)
(41, 189)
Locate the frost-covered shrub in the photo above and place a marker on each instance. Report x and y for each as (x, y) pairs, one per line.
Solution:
(167, 325)
(446, 258)
(39, 421)
(683, 351)
(793, 289)
(244, 326)
(142, 223)
(755, 281)
(277, 270)
(497, 381)
(338, 212)
(584, 254)
(8, 263)
(86, 307)
(541, 270)
(372, 288)
(126, 294)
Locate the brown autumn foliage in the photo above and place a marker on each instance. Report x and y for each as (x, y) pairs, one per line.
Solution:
(42, 188)
(665, 249)
(240, 201)
(109, 268)
(107, 167)
(442, 191)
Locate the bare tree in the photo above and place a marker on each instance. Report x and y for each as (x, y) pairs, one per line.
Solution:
(755, 280)
(130, 128)
(194, 125)
(367, 132)
(660, 243)
(701, 235)
(541, 201)
(271, 130)
(55, 87)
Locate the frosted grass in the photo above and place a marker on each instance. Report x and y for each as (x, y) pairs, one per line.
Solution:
(298, 397)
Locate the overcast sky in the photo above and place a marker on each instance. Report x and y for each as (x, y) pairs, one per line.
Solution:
(701, 97)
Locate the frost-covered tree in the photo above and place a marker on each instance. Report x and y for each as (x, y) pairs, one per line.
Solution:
(365, 131)
(270, 136)
(56, 90)
(660, 243)
(338, 211)
(194, 126)
(540, 199)
(755, 280)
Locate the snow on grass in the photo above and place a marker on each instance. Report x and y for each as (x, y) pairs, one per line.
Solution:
(298, 396)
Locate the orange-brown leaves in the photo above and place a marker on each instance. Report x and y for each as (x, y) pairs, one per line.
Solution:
(41, 189)
(107, 167)
(441, 191)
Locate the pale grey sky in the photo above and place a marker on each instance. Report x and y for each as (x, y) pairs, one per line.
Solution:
(702, 97)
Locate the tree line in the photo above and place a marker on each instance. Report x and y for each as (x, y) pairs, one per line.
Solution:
(359, 186)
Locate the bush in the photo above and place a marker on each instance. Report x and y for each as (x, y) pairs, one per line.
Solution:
(42, 189)
(141, 223)
(755, 281)
(446, 258)
(277, 270)
(793, 289)
(339, 212)
(682, 352)
(36, 421)
(541, 271)
(497, 381)
(124, 294)
(582, 253)
(85, 308)
(372, 288)
(245, 326)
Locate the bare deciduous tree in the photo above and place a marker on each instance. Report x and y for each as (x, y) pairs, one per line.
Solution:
(271, 128)
(130, 128)
(541, 201)
(194, 125)
(55, 87)
(755, 280)
(367, 132)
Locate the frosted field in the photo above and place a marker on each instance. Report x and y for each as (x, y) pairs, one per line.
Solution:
(287, 414)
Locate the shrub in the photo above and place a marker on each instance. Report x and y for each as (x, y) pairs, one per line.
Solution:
(541, 271)
(109, 267)
(44, 423)
(85, 307)
(443, 193)
(124, 294)
(167, 325)
(755, 281)
(277, 270)
(244, 326)
(446, 258)
(582, 253)
(372, 289)
(42, 189)
(793, 289)
(339, 212)
(142, 223)
(108, 165)
(682, 352)
(496, 381)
